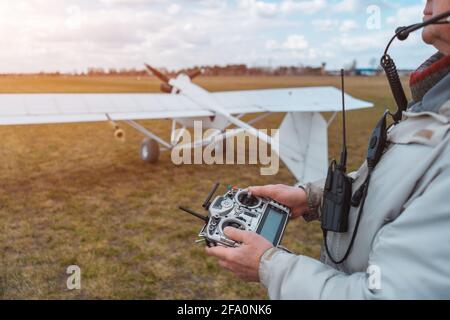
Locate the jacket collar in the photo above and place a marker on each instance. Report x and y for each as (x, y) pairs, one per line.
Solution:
(434, 99)
(428, 75)
(426, 122)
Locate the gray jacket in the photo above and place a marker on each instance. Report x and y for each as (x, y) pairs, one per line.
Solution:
(401, 249)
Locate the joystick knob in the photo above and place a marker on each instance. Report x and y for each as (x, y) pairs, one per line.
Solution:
(245, 199)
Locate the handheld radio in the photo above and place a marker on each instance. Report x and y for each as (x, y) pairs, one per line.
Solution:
(239, 209)
(338, 186)
(337, 198)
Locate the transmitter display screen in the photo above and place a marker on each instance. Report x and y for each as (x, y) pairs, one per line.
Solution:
(272, 225)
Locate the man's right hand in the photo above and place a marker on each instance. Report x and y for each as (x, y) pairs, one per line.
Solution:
(293, 197)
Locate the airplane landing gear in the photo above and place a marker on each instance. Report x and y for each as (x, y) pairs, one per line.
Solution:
(150, 151)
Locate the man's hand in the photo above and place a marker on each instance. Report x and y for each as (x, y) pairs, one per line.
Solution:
(292, 197)
(244, 260)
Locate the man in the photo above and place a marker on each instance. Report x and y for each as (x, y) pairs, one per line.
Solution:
(404, 232)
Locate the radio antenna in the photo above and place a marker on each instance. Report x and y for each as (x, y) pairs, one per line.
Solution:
(207, 201)
(343, 162)
(195, 214)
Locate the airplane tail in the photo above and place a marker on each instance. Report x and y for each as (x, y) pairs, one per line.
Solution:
(303, 145)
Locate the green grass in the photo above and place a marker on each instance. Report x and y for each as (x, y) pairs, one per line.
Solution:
(70, 194)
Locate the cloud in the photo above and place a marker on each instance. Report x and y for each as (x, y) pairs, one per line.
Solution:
(325, 24)
(65, 35)
(259, 8)
(306, 7)
(132, 2)
(286, 7)
(361, 43)
(348, 25)
(406, 16)
(296, 47)
(348, 6)
(173, 9)
(295, 42)
(272, 45)
(334, 24)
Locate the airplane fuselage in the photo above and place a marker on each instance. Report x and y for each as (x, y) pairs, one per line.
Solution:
(222, 118)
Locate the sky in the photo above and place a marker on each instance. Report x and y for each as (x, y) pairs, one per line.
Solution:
(73, 35)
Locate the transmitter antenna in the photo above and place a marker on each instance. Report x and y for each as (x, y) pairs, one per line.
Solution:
(195, 214)
(343, 162)
(207, 202)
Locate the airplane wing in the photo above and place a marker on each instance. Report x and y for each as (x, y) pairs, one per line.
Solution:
(306, 99)
(64, 108)
(17, 109)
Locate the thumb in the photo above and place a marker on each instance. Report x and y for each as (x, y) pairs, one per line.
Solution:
(261, 191)
(235, 234)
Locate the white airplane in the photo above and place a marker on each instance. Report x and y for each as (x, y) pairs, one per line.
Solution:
(303, 139)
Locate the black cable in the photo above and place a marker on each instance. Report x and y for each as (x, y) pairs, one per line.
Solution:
(398, 92)
(355, 231)
(388, 64)
(389, 67)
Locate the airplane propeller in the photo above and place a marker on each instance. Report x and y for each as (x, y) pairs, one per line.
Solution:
(161, 76)
(165, 86)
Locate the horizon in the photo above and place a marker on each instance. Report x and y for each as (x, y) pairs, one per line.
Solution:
(224, 71)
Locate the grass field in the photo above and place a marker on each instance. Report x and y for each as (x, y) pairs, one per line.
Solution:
(71, 194)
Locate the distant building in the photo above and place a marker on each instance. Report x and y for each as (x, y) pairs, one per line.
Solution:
(369, 72)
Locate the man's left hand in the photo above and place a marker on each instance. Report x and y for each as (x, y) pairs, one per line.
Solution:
(244, 260)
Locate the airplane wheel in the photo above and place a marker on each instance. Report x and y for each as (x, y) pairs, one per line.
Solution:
(150, 151)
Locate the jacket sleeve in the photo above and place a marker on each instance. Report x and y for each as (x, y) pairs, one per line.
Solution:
(410, 255)
(314, 196)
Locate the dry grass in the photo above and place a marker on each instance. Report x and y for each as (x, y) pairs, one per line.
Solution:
(70, 194)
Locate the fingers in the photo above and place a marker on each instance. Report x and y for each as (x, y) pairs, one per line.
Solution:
(225, 253)
(263, 191)
(220, 252)
(235, 234)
